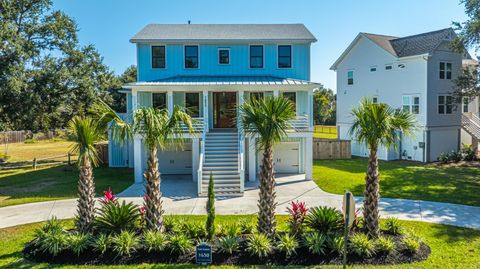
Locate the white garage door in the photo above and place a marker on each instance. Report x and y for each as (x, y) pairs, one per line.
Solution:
(176, 161)
(286, 158)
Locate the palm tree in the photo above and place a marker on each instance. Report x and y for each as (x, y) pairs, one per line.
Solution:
(268, 120)
(159, 129)
(85, 132)
(377, 125)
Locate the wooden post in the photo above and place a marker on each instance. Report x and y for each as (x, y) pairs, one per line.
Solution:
(34, 163)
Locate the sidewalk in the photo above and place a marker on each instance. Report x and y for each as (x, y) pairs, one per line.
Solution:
(180, 198)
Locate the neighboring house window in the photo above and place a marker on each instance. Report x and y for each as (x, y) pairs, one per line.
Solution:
(445, 104)
(411, 104)
(373, 69)
(401, 66)
(256, 56)
(445, 70)
(292, 96)
(158, 56)
(256, 95)
(191, 56)
(465, 104)
(192, 104)
(375, 100)
(224, 56)
(285, 56)
(388, 67)
(159, 100)
(350, 77)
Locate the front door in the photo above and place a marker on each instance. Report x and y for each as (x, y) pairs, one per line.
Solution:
(224, 109)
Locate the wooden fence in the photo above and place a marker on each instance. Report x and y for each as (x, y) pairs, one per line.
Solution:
(331, 149)
(20, 136)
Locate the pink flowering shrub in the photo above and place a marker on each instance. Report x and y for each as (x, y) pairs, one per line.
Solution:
(298, 211)
(108, 197)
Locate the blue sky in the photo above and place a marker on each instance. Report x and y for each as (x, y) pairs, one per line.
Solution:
(109, 24)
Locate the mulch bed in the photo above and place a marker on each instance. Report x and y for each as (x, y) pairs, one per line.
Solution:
(303, 257)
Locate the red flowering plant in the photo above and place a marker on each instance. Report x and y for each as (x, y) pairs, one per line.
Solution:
(141, 209)
(298, 211)
(108, 197)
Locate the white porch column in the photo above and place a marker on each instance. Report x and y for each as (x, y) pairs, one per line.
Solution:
(205, 107)
(308, 157)
(137, 153)
(252, 164)
(170, 101)
(134, 101)
(310, 111)
(276, 93)
(195, 157)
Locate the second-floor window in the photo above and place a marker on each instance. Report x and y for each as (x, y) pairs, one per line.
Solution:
(284, 56)
(159, 100)
(445, 70)
(223, 56)
(158, 56)
(411, 104)
(350, 77)
(192, 103)
(191, 56)
(256, 56)
(292, 96)
(445, 104)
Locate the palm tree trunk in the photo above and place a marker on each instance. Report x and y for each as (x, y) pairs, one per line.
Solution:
(372, 188)
(86, 200)
(153, 198)
(266, 203)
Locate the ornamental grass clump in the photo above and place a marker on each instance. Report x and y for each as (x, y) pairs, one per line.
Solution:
(361, 245)
(325, 219)
(259, 245)
(232, 230)
(179, 244)
(228, 245)
(102, 243)
(411, 243)
(316, 243)
(384, 245)
(287, 244)
(247, 226)
(336, 244)
(79, 242)
(154, 241)
(51, 238)
(393, 226)
(125, 243)
(116, 217)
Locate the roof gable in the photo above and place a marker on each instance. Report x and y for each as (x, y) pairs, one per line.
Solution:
(223, 32)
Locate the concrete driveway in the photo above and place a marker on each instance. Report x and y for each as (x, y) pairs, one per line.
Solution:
(179, 197)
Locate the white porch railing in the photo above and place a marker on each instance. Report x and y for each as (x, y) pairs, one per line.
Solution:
(300, 123)
(198, 124)
(241, 160)
(201, 159)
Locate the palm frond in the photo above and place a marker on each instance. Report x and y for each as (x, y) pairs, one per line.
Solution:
(84, 134)
(120, 130)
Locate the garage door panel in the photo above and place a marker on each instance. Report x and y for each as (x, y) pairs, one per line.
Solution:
(285, 157)
(176, 161)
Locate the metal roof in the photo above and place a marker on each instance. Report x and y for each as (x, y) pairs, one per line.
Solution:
(223, 32)
(221, 80)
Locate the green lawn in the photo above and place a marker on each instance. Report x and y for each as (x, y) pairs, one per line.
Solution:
(41, 149)
(402, 179)
(19, 186)
(452, 247)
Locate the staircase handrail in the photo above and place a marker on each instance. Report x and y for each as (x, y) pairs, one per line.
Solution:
(202, 158)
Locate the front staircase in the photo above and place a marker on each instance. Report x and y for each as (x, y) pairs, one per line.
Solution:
(471, 124)
(222, 161)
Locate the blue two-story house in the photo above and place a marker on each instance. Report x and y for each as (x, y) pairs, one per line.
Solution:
(210, 70)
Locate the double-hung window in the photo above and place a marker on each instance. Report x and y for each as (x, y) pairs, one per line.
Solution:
(191, 56)
(445, 104)
(411, 103)
(256, 56)
(158, 56)
(350, 77)
(224, 56)
(159, 100)
(445, 70)
(192, 104)
(284, 56)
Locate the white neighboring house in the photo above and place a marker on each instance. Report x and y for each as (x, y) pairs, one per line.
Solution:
(414, 73)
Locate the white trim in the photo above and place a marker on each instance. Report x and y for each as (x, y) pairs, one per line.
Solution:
(151, 56)
(263, 57)
(198, 56)
(229, 56)
(291, 57)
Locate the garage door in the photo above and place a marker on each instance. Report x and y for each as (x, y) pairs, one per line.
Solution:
(176, 161)
(286, 158)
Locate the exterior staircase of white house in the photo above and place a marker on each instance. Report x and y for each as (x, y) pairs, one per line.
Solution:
(471, 124)
(221, 159)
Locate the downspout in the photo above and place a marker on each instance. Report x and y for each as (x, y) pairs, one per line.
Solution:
(426, 138)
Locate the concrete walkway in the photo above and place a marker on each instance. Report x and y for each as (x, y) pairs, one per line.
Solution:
(180, 198)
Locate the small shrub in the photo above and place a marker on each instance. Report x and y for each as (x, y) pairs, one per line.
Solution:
(336, 244)
(467, 153)
(287, 244)
(52, 242)
(232, 230)
(443, 157)
(325, 219)
(247, 226)
(115, 218)
(361, 245)
(210, 224)
(194, 230)
(298, 212)
(171, 225)
(179, 244)
(393, 226)
(125, 243)
(78, 242)
(384, 245)
(259, 245)
(155, 241)
(52, 225)
(316, 242)
(102, 243)
(454, 156)
(228, 244)
(411, 243)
